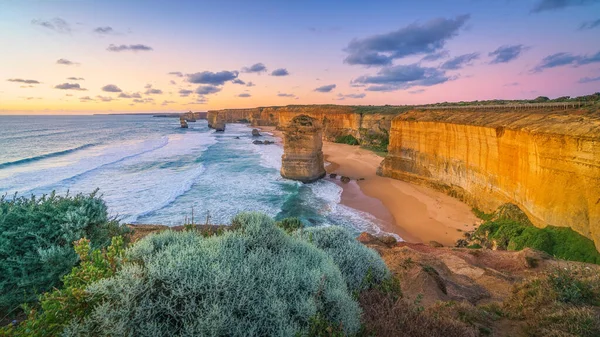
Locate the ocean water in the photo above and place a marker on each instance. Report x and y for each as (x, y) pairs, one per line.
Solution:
(153, 172)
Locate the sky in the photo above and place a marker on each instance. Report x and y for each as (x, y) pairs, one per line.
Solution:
(87, 56)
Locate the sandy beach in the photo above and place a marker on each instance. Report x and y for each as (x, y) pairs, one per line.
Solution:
(416, 213)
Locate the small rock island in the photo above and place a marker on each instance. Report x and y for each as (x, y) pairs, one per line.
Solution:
(302, 158)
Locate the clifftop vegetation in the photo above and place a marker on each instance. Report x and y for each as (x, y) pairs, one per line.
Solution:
(259, 277)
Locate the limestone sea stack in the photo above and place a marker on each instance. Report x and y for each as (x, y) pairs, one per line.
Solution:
(302, 158)
(183, 122)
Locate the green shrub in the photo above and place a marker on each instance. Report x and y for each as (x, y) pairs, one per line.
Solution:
(561, 242)
(532, 237)
(347, 139)
(361, 266)
(290, 225)
(58, 307)
(482, 215)
(36, 236)
(254, 281)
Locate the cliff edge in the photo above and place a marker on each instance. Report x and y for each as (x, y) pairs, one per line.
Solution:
(548, 163)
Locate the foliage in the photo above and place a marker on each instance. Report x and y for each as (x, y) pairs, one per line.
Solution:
(255, 280)
(482, 215)
(58, 307)
(290, 225)
(36, 235)
(561, 242)
(375, 141)
(347, 139)
(386, 315)
(361, 266)
(561, 303)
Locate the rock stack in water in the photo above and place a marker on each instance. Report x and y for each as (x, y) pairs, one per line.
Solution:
(302, 158)
(183, 122)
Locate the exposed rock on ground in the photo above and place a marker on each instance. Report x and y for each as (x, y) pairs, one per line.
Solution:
(302, 158)
(255, 133)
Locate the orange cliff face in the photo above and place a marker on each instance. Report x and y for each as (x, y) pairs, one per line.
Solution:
(369, 128)
(546, 163)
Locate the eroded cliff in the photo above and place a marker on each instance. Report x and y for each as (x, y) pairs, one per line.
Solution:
(546, 163)
(370, 125)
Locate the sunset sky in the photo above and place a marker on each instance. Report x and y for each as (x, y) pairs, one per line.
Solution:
(87, 56)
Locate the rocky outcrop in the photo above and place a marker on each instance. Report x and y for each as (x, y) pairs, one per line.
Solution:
(183, 122)
(370, 125)
(255, 133)
(546, 163)
(302, 158)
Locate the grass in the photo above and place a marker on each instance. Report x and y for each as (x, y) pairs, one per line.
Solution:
(347, 139)
(563, 302)
(561, 242)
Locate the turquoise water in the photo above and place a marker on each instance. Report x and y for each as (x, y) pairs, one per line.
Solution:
(151, 171)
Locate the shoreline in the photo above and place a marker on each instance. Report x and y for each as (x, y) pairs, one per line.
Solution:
(418, 214)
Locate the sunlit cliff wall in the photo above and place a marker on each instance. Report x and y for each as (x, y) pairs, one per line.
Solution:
(337, 120)
(546, 163)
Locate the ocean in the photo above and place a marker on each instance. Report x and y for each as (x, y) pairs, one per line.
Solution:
(151, 171)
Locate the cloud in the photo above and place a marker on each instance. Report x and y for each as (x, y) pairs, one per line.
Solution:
(414, 39)
(547, 5)
(207, 77)
(435, 56)
(165, 102)
(86, 99)
(151, 91)
(106, 30)
(583, 60)
(144, 100)
(207, 90)
(57, 24)
(325, 88)
(562, 59)
(590, 24)
(176, 73)
(285, 95)
(238, 81)
(506, 54)
(111, 88)
(69, 86)
(20, 80)
(173, 82)
(589, 79)
(513, 84)
(131, 47)
(255, 68)
(416, 92)
(104, 98)
(244, 95)
(134, 95)
(459, 61)
(66, 62)
(361, 95)
(403, 77)
(250, 84)
(280, 72)
(185, 92)
(76, 78)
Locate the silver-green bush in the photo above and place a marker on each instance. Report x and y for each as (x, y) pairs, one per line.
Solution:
(255, 281)
(361, 266)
